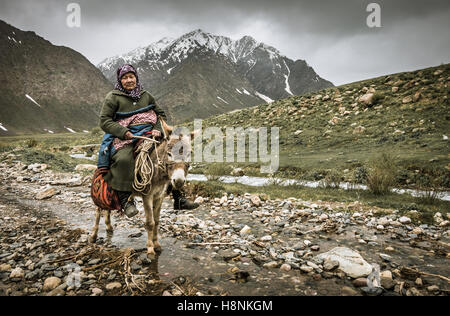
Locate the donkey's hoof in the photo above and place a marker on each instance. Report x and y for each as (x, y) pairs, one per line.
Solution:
(151, 254)
(157, 247)
(110, 231)
(92, 239)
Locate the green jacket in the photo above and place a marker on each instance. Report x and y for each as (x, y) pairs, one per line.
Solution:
(117, 101)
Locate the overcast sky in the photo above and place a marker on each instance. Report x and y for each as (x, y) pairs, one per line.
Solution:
(331, 35)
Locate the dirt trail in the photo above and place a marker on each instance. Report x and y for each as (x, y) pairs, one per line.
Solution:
(236, 245)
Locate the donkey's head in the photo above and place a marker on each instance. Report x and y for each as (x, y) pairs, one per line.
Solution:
(178, 157)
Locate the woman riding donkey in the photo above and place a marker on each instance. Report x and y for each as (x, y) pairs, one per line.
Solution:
(129, 111)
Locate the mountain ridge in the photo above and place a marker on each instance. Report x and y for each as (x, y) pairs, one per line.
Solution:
(268, 74)
(45, 87)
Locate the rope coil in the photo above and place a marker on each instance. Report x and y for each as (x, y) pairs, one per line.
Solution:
(144, 166)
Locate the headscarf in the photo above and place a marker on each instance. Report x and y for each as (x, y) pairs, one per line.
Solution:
(135, 94)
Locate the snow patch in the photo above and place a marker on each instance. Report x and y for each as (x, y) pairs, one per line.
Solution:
(238, 91)
(2, 127)
(215, 105)
(49, 131)
(246, 92)
(288, 87)
(169, 70)
(85, 131)
(32, 100)
(264, 97)
(69, 129)
(222, 100)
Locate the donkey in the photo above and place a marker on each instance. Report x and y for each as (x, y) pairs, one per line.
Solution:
(167, 169)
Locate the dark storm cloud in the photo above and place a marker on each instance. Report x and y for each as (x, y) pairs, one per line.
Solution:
(332, 36)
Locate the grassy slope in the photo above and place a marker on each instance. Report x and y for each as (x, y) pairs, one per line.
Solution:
(412, 132)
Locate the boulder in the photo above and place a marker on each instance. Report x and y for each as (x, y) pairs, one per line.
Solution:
(367, 99)
(350, 261)
(256, 201)
(407, 99)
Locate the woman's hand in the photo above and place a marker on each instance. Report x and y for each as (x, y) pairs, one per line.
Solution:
(128, 135)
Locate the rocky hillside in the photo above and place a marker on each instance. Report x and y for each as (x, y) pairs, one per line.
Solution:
(46, 88)
(200, 74)
(405, 114)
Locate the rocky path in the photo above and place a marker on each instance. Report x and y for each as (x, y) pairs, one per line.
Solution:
(236, 245)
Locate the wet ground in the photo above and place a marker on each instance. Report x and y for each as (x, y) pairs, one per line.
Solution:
(235, 246)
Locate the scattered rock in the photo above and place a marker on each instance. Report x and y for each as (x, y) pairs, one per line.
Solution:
(348, 291)
(17, 273)
(404, 220)
(245, 231)
(51, 283)
(407, 99)
(96, 291)
(270, 265)
(4, 267)
(285, 267)
(266, 238)
(113, 285)
(256, 201)
(360, 282)
(367, 99)
(199, 200)
(330, 265)
(46, 193)
(350, 262)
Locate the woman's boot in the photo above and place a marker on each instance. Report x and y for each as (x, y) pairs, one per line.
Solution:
(181, 203)
(127, 205)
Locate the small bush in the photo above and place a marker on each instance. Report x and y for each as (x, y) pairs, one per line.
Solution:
(428, 189)
(204, 189)
(377, 97)
(332, 179)
(214, 171)
(360, 174)
(30, 143)
(382, 173)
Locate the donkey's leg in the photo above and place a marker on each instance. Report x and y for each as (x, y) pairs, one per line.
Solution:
(93, 237)
(149, 224)
(156, 213)
(109, 228)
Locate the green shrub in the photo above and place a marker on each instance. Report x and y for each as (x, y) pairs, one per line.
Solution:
(377, 97)
(360, 174)
(382, 173)
(332, 179)
(214, 171)
(30, 143)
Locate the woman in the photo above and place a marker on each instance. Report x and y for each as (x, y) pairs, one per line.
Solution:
(129, 110)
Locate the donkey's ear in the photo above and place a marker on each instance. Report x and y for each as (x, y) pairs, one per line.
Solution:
(167, 128)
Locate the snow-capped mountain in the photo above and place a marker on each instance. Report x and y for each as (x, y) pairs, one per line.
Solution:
(200, 74)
